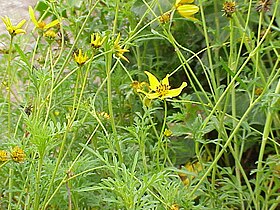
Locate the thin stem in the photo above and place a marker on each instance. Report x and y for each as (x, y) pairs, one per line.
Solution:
(65, 179)
(160, 140)
(266, 132)
(213, 88)
(69, 55)
(233, 106)
(9, 84)
(108, 59)
(11, 174)
(51, 89)
(37, 186)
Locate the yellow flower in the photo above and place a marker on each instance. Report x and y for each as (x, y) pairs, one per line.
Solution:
(96, 40)
(50, 34)
(80, 58)
(162, 89)
(17, 154)
(191, 167)
(3, 156)
(13, 30)
(174, 207)
(164, 18)
(258, 91)
(56, 112)
(167, 132)
(138, 85)
(104, 115)
(118, 49)
(186, 9)
(41, 24)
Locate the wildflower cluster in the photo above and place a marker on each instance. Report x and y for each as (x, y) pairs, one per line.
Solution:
(96, 43)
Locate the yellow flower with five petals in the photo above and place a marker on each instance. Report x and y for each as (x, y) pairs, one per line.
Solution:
(13, 30)
(162, 89)
(119, 51)
(97, 40)
(80, 58)
(41, 24)
(186, 8)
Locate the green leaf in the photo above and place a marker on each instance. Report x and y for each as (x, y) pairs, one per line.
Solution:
(22, 55)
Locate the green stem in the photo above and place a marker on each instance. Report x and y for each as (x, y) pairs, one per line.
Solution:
(232, 67)
(69, 125)
(11, 174)
(9, 84)
(108, 59)
(38, 179)
(49, 98)
(160, 140)
(266, 131)
(69, 55)
(227, 143)
(213, 86)
(65, 179)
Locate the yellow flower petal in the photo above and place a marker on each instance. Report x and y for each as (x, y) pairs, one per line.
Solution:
(20, 31)
(154, 83)
(152, 95)
(116, 42)
(165, 80)
(183, 2)
(41, 25)
(120, 55)
(51, 24)
(32, 16)
(187, 11)
(6, 21)
(118, 49)
(186, 1)
(20, 24)
(175, 92)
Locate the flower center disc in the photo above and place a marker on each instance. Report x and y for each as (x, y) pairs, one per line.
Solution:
(162, 89)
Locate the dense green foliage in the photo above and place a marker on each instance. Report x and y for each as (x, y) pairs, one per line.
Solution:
(80, 129)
